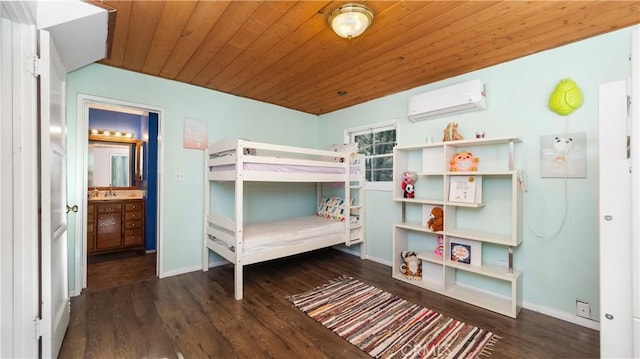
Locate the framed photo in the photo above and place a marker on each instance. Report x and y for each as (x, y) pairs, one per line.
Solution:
(465, 251)
(465, 189)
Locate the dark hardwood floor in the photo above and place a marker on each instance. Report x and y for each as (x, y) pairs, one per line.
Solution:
(194, 315)
(113, 273)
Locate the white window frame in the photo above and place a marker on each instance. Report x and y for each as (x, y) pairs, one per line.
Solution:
(349, 134)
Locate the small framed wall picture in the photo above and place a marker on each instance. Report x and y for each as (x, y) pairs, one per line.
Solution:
(465, 189)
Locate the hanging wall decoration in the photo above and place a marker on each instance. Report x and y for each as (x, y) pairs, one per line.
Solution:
(195, 134)
(564, 155)
(565, 98)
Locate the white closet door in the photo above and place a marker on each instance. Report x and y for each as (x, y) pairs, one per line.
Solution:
(53, 248)
(635, 186)
(615, 223)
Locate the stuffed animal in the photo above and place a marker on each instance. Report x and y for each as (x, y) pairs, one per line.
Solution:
(451, 132)
(436, 219)
(439, 251)
(411, 265)
(455, 136)
(464, 161)
(447, 133)
(408, 180)
(409, 191)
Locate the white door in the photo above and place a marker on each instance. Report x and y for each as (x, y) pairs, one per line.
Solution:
(615, 223)
(55, 310)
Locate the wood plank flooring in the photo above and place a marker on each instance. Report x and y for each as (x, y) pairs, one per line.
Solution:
(114, 273)
(194, 315)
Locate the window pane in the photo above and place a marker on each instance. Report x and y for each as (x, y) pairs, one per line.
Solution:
(366, 150)
(386, 136)
(367, 168)
(382, 148)
(383, 175)
(377, 146)
(383, 163)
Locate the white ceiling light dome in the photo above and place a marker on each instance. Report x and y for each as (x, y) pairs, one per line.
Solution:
(350, 20)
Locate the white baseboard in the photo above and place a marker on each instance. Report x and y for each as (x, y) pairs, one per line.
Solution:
(584, 322)
(179, 271)
(357, 254)
(218, 263)
(348, 250)
(380, 260)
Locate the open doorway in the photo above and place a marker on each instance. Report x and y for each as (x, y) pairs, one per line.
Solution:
(120, 238)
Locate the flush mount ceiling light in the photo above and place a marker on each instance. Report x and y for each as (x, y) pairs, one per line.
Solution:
(350, 20)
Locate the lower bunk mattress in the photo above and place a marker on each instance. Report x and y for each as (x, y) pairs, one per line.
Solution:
(280, 234)
(311, 232)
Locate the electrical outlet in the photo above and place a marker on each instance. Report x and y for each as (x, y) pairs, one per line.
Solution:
(583, 309)
(179, 176)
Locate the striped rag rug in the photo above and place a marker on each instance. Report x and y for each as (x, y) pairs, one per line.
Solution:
(386, 326)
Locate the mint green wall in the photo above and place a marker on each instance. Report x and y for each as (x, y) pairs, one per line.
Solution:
(227, 117)
(558, 270)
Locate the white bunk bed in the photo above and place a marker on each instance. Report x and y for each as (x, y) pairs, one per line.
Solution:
(243, 243)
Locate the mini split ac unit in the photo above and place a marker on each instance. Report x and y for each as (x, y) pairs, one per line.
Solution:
(462, 97)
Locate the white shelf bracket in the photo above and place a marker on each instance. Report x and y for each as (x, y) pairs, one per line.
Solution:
(511, 147)
(510, 259)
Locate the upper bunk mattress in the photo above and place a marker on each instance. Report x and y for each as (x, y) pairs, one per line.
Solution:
(285, 168)
(263, 235)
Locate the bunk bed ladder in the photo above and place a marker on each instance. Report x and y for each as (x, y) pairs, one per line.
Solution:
(239, 195)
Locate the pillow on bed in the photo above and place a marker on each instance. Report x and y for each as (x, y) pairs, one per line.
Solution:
(351, 148)
(332, 208)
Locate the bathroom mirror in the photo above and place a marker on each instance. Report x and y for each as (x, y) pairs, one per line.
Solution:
(114, 162)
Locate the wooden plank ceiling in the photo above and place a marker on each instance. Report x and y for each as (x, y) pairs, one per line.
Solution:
(284, 53)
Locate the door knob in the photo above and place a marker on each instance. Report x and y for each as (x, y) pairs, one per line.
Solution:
(72, 209)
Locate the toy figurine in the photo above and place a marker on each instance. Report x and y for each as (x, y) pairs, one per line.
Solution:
(408, 180)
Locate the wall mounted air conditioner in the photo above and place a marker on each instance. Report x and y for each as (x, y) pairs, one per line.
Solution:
(462, 97)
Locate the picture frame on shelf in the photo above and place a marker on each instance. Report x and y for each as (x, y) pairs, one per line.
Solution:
(465, 251)
(465, 189)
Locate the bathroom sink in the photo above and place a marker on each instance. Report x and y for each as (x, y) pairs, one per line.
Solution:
(102, 199)
(120, 195)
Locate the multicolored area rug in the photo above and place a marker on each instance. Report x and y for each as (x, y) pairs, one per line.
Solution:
(386, 326)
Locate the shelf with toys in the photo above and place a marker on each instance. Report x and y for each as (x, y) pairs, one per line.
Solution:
(461, 220)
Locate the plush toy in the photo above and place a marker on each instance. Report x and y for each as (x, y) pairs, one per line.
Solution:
(451, 132)
(408, 180)
(455, 136)
(464, 161)
(436, 219)
(439, 251)
(447, 133)
(409, 191)
(411, 266)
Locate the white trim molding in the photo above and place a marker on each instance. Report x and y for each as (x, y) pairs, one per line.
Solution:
(84, 101)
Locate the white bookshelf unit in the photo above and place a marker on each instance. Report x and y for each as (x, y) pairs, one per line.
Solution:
(488, 221)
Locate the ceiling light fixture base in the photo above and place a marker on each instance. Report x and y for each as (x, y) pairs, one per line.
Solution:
(350, 20)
